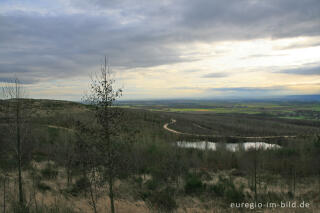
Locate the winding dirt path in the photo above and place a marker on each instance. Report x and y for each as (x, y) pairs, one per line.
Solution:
(165, 126)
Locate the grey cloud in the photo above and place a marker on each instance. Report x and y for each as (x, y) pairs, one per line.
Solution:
(248, 89)
(190, 71)
(300, 45)
(240, 91)
(68, 46)
(188, 88)
(23, 80)
(141, 33)
(262, 56)
(216, 75)
(249, 18)
(219, 20)
(303, 71)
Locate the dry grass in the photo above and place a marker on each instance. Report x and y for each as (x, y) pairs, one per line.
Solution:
(127, 203)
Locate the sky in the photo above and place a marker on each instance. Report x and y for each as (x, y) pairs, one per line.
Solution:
(165, 49)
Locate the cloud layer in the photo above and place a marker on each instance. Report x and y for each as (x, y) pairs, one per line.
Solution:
(45, 42)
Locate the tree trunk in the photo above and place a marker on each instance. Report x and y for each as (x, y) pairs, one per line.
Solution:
(68, 168)
(93, 199)
(4, 194)
(294, 182)
(255, 173)
(68, 176)
(19, 154)
(34, 193)
(319, 180)
(111, 195)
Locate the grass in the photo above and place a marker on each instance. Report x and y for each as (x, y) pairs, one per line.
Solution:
(215, 110)
(294, 117)
(212, 194)
(291, 110)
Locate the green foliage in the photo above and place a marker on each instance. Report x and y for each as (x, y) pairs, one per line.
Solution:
(16, 207)
(234, 194)
(81, 185)
(43, 187)
(39, 156)
(49, 172)
(271, 197)
(149, 187)
(193, 185)
(225, 188)
(138, 181)
(316, 143)
(217, 189)
(287, 152)
(163, 200)
(152, 184)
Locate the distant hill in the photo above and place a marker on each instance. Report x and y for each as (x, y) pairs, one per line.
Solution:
(303, 98)
(290, 98)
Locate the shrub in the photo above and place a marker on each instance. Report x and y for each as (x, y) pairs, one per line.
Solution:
(49, 172)
(149, 188)
(17, 208)
(271, 197)
(163, 200)
(193, 185)
(217, 189)
(226, 188)
(39, 156)
(152, 184)
(43, 187)
(81, 185)
(138, 181)
(233, 194)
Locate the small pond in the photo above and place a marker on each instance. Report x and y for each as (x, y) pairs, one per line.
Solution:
(204, 145)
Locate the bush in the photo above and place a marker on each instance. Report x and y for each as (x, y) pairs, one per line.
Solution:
(271, 197)
(233, 194)
(149, 188)
(81, 185)
(43, 187)
(163, 200)
(17, 208)
(49, 172)
(39, 156)
(226, 188)
(152, 184)
(193, 185)
(138, 181)
(217, 189)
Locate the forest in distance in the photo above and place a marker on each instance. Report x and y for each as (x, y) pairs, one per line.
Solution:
(68, 162)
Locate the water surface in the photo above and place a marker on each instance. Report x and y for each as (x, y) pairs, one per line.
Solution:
(204, 145)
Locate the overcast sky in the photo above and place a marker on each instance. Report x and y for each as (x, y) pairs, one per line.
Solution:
(163, 49)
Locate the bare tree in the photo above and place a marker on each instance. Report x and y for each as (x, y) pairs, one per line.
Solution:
(102, 96)
(13, 92)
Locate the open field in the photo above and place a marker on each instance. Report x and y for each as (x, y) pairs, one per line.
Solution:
(225, 121)
(290, 110)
